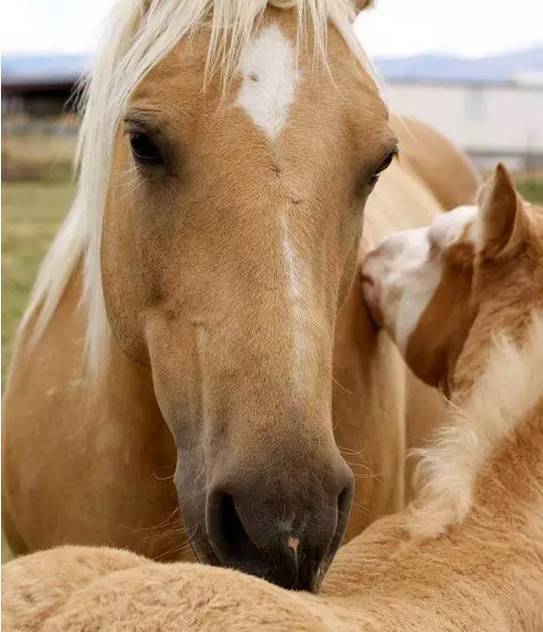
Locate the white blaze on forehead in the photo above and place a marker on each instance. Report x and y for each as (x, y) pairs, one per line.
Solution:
(268, 88)
(269, 72)
(297, 277)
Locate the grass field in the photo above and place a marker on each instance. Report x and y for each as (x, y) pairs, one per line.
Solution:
(31, 214)
(532, 190)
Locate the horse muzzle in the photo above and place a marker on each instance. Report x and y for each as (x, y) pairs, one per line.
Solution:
(286, 538)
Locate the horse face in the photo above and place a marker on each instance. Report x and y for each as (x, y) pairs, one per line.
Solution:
(229, 242)
(470, 271)
(417, 285)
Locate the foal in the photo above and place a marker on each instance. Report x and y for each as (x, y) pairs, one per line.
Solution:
(443, 293)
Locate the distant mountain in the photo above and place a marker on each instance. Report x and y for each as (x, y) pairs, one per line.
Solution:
(524, 65)
(43, 68)
(517, 66)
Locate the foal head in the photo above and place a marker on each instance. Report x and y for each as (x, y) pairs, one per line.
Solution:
(443, 290)
(229, 242)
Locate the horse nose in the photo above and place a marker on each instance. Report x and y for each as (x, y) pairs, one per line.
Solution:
(288, 539)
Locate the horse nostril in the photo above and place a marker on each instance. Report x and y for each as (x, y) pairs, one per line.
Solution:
(234, 535)
(344, 502)
(228, 537)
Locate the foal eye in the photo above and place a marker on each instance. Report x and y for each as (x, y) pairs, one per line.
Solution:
(144, 149)
(385, 164)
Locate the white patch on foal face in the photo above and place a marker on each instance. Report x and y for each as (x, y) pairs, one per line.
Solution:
(401, 275)
(270, 76)
(447, 228)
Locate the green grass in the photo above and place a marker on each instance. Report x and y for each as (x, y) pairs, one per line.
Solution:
(31, 215)
(532, 190)
(37, 157)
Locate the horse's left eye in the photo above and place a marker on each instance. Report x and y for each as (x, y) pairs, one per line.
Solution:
(385, 164)
(144, 149)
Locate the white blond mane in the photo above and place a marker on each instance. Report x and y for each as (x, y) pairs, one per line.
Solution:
(509, 388)
(139, 33)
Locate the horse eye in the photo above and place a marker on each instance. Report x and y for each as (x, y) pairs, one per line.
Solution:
(385, 164)
(145, 150)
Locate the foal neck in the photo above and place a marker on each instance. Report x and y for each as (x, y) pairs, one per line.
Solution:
(506, 392)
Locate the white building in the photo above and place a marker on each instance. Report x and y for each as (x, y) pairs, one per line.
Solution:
(501, 121)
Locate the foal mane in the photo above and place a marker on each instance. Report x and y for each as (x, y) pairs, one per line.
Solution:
(507, 390)
(138, 34)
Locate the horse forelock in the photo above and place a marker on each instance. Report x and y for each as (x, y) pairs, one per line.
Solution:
(138, 34)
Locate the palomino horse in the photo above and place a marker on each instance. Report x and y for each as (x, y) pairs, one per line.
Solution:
(196, 307)
(486, 575)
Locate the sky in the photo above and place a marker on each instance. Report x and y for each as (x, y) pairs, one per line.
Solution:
(392, 28)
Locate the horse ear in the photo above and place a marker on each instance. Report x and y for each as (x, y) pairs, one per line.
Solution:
(503, 217)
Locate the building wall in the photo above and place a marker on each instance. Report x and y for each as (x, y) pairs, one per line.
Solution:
(484, 120)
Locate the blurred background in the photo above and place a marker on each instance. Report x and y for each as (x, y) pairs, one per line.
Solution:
(474, 70)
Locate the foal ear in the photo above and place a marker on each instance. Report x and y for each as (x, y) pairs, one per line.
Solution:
(503, 218)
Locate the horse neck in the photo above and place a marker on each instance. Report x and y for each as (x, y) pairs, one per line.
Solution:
(487, 465)
(367, 371)
(503, 400)
(510, 483)
(123, 388)
(507, 507)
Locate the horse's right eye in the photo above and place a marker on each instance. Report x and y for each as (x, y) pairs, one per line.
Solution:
(385, 165)
(144, 149)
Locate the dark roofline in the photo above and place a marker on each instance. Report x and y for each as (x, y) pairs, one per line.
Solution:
(25, 87)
